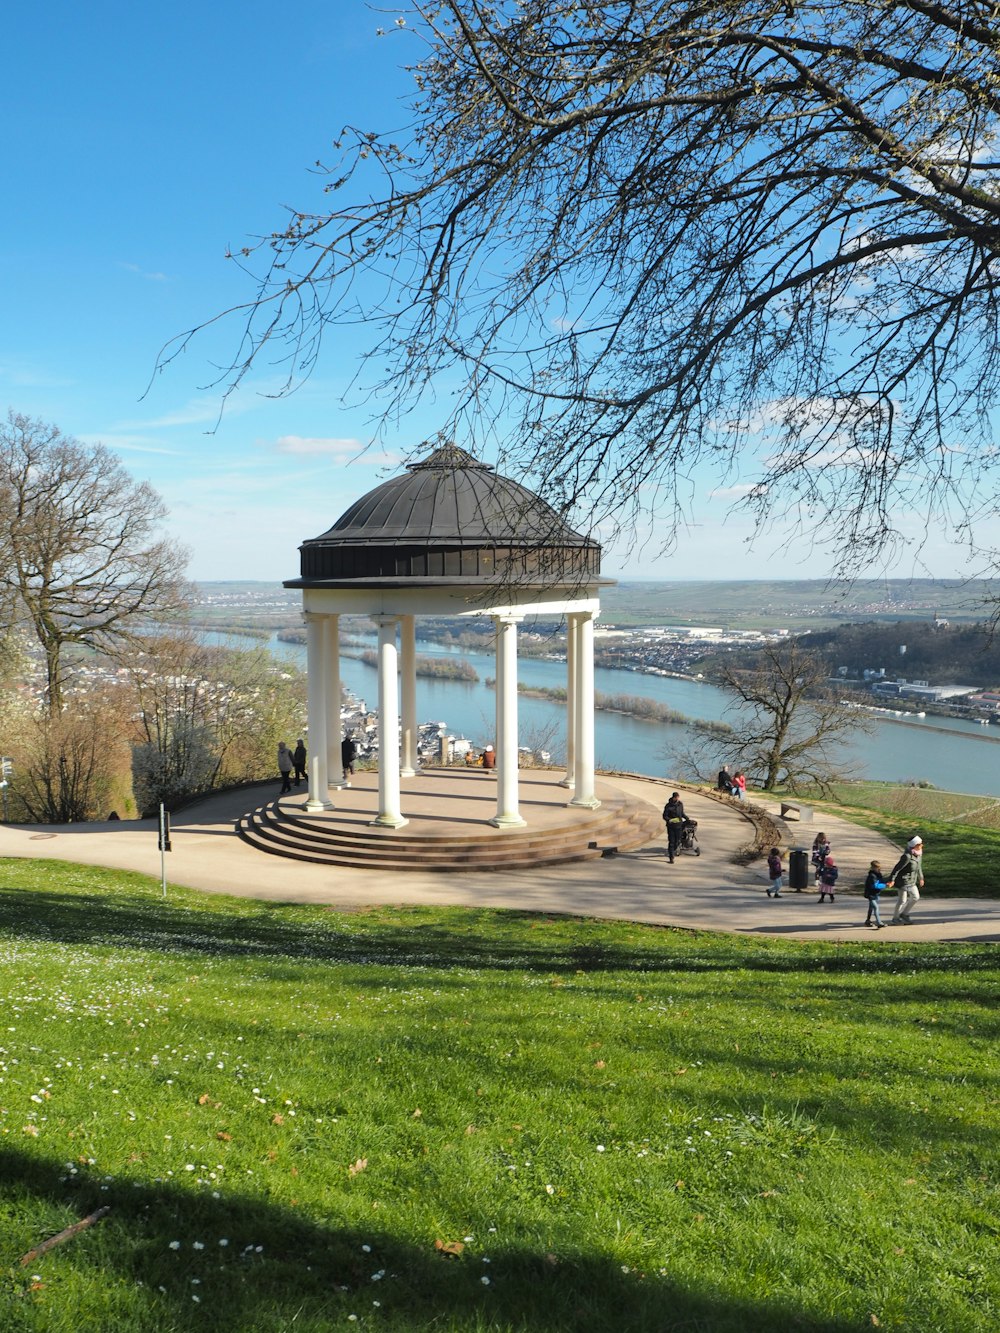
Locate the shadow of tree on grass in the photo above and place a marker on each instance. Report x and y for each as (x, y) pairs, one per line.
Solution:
(312, 1274)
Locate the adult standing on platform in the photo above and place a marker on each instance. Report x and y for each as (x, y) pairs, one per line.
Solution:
(909, 872)
(299, 760)
(348, 754)
(285, 766)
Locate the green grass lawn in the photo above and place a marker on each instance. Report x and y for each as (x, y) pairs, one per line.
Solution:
(471, 1120)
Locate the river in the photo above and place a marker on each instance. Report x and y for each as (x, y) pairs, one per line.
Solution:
(953, 754)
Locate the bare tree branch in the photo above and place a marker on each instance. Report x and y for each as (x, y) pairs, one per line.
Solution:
(81, 556)
(651, 234)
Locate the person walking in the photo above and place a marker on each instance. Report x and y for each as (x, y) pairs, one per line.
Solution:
(673, 816)
(820, 851)
(299, 760)
(740, 785)
(775, 873)
(348, 754)
(874, 884)
(827, 879)
(909, 872)
(285, 767)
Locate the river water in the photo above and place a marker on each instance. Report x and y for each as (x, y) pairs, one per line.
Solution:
(950, 753)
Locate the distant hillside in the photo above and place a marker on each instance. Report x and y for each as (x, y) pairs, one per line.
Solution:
(740, 604)
(807, 603)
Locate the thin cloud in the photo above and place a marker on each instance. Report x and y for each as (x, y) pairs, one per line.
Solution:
(143, 273)
(131, 444)
(346, 450)
(731, 492)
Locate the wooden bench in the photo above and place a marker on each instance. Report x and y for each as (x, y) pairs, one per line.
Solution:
(796, 810)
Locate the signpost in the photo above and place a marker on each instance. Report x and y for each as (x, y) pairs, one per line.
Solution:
(163, 842)
(6, 769)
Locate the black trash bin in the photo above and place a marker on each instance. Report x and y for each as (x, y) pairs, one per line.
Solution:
(798, 868)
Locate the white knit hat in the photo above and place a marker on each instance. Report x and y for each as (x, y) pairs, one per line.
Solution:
(914, 842)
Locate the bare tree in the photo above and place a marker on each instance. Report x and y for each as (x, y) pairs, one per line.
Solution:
(69, 767)
(207, 717)
(789, 724)
(82, 558)
(651, 233)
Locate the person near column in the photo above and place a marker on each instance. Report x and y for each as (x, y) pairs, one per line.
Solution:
(299, 761)
(348, 754)
(489, 757)
(285, 767)
(673, 817)
(908, 877)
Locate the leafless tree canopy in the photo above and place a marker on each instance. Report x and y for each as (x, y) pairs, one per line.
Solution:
(634, 237)
(789, 726)
(80, 552)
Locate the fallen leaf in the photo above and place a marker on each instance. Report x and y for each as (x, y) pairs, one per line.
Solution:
(357, 1167)
(224, 1137)
(277, 1119)
(598, 1064)
(417, 1114)
(203, 1099)
(449, 1246)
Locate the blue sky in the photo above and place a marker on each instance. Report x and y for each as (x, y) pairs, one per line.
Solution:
(140, 143)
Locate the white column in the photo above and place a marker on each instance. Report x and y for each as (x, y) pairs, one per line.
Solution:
(318, 798)
(389, 814)
(571, 637)
(408, 663)
(334, 731)
(584, 765)
(507, 815)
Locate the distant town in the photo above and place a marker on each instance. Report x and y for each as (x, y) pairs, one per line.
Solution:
(898, 650)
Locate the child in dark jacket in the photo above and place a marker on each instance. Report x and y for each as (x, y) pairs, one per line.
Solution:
(874, 884)
(828, 873)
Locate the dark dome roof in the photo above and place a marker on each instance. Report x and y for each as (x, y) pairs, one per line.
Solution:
(449, 516)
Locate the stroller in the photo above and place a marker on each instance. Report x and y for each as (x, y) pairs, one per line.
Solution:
(689, 837)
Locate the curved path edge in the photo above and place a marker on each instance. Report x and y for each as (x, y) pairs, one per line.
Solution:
(710, 892)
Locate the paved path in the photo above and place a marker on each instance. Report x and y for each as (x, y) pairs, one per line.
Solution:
(710, 892)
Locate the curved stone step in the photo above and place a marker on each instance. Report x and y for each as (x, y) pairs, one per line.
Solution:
(619, 825)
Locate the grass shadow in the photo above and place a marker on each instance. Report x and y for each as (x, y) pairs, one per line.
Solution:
(314, 1273)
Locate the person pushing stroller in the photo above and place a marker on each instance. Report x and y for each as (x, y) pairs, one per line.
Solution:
(681, 834)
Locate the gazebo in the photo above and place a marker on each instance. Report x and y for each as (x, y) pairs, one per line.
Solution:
(449, 537)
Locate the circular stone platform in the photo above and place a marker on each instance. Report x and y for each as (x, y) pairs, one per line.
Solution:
(447, 811)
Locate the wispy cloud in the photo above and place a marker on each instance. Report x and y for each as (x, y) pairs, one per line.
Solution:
(27, 377)
(133, 444)
(143, 273)
(735, 492)
(311, 445)
(345, 450)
